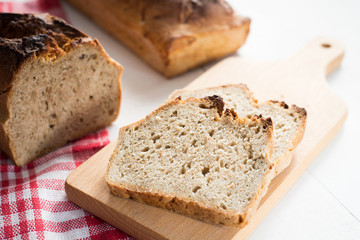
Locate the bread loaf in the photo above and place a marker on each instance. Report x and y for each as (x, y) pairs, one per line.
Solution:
(172, 36)
(56, 84)
(192, 157)
(289, 121)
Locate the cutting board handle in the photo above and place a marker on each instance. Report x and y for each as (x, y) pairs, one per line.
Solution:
(323, 52)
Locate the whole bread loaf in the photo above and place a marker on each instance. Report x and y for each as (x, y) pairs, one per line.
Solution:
(289, 121)
(56, 84)
(192, 157)
(172, 36)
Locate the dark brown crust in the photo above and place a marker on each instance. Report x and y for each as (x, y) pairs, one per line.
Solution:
(281, 103)
(231, 113)
(267, 121)
(217, 102)
(293, 107)
(25, 37)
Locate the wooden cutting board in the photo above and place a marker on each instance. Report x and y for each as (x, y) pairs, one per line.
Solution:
(298, 80)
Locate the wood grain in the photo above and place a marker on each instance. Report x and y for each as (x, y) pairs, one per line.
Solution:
(298, 80)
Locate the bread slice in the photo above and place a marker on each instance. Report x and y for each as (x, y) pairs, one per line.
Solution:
(289, 122)
(193, 158)
(171, 36)
(56, 84)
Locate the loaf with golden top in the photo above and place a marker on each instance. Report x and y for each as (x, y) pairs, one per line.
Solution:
(172, 36)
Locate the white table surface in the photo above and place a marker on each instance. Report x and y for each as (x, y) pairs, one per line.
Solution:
(325, 202)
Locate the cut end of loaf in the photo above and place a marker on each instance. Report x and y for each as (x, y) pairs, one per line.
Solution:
(52, 103)
(190, 157)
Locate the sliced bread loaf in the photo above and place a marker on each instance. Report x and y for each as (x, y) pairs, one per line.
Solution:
(191, 157)
(171, 36)
(56, 84)
(289, 122)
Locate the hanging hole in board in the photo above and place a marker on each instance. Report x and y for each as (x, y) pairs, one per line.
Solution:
(325, 45)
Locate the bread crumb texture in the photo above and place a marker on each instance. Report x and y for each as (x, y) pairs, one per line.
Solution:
(191, 157)
(289, 121)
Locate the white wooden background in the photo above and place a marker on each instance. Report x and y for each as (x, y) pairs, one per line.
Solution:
(325, 201)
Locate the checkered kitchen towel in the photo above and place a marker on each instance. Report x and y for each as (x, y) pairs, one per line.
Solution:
(33, 203)
(33, 6)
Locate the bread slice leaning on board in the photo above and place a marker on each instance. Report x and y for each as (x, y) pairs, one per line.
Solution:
(288, 121)
(56, 83)
(195, 158)
(172, 36)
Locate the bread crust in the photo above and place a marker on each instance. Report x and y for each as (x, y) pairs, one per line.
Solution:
(186, 206)
(171, 36)
(284, 161)
(25, 38)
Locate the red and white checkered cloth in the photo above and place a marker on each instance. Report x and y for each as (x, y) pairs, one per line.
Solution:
(33, 200)
(33, 203)
(34, 6)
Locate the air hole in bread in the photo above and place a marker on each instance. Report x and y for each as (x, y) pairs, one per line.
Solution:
(203, 106)
(183, 170)
(155, 138)
(221, 163)
(195, 189)
(254, 166)
(211, 132)
(167, 146)
(174, 114)
(145, 149)
(205, 170)
(223, 206)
